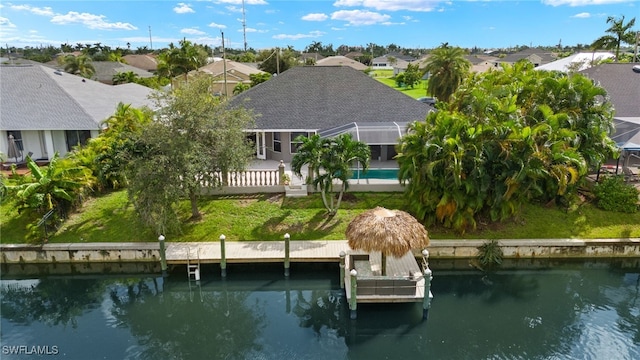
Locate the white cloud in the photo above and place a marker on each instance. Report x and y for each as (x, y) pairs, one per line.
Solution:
(360, 17)
(192, 31)
(315, 17)
(234, 9)
(337, 29)
(582, 15)
(390, 5)
(91, 21)
(219, 26)
(313, 34)
(44, 11)
(183, 8)
(389, 23)
(239, 2)
(582, 2)
(6, 23)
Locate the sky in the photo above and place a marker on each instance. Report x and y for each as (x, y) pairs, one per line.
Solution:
(270, 23)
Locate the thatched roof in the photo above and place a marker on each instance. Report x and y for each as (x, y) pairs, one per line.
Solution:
(393, 232)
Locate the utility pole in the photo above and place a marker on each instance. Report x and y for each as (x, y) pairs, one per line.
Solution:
(150, 41)
(635, 52)
(277, 61)
(224, 66)
(244, 27)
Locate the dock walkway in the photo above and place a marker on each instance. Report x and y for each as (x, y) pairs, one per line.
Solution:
(258, 251)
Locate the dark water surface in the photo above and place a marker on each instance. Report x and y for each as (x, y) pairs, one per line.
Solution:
(578, 310)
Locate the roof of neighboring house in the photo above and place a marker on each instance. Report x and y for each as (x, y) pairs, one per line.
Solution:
(315, 56)
(584, 59)
(353, 54)
(36, 97)
(144, 62)
(217, 68)
(545, 56)
(105, 70)
(622, 85)
(341, 61)
(313, 98)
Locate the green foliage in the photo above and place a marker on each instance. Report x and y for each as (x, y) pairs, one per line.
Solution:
(274, 61)
(506, 137)
(195, 134)
(330, 159)
(259, 78)
(180, 60)
(240, 87)
(107, 155)
(78, 65)
(614, 194)
(399, 79)
(124, 77)
(412, 75)
(490, 254)
(618, 33)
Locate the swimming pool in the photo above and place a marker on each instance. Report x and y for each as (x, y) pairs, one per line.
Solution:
(386, 174)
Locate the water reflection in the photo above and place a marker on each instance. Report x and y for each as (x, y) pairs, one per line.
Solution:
(573, 311)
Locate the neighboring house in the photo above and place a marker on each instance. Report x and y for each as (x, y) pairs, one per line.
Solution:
(236, 73)
(622, 83)
(314, 56)
(48, 111)
(147, 63)
(384, 62)
(536, 56)
(354, 55)
(105, 70)
(576, 62)
(342, 61)
(307, 100)
(481, 63)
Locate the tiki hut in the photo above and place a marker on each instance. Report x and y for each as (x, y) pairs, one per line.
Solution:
(391, 232)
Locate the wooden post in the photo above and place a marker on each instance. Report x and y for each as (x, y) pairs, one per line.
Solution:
(163, 256)
(223, 257)
(286, 254)
(342, 267)
(281, 173)
(353, 302)
(428, 276)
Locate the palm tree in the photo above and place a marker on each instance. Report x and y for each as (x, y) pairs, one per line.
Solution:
(447, 68)
(330, 159)
(620, 31)
(124, 77)
(79, 65)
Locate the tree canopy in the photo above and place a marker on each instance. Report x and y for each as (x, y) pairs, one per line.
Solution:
(447, 69)
(505, 138)
(195, 133)
(618, 33)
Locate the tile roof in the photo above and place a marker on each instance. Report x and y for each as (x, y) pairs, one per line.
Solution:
(341, 61)
(622, 85)
(312, 98)
(36, 97)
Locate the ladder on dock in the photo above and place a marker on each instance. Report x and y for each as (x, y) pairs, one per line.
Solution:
(193, 265)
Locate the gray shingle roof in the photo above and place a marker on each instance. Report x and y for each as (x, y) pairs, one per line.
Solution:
(40, 98)
(311, 98)
(622, 85)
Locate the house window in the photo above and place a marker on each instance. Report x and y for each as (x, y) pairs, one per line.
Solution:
(17, 137)
(277, 143)
(77, 137)
(294, 143)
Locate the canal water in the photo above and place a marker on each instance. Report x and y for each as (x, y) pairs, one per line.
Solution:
(577, 310)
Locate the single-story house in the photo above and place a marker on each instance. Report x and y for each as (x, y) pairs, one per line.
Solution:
(576, 62)
(536, 56)
(341, 61)
(236, 73)
(46, 110)
(307, 100)
(622, 83)
(146, 62)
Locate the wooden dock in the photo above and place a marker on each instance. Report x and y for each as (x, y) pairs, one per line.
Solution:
(256, 251)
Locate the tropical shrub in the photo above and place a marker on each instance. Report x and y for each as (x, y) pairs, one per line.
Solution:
(490, 254)
(614, 194)
(505, 138)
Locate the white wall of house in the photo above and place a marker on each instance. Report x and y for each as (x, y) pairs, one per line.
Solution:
(42, 143)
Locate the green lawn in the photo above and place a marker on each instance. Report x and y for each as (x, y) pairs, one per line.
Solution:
(419, 90)
(108, 218)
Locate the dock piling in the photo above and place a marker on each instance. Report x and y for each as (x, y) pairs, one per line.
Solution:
(342, 268)
(163, 256)
(428, 276)
(287, 239)
(223, 257)
(353, 303)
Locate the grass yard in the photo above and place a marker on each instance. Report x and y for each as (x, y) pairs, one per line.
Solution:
(419, 90)
(109, 218)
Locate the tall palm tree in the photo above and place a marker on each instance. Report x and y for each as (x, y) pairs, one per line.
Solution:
(620, 32)
(447, 68)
